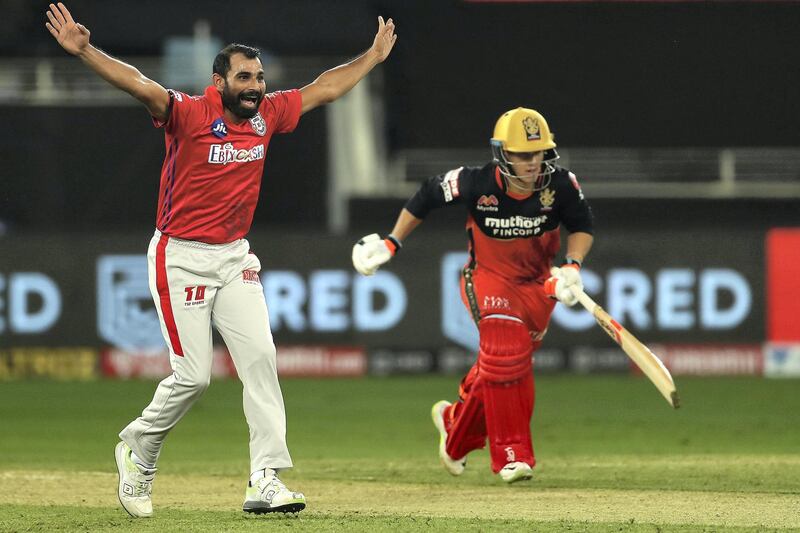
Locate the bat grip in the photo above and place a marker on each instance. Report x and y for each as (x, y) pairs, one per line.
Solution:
(584, 299)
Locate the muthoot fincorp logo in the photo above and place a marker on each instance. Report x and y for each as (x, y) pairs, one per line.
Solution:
(515, 226)
(222, 154)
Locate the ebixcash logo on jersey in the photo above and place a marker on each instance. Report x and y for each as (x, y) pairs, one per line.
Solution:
(222, 154)
(516, 226)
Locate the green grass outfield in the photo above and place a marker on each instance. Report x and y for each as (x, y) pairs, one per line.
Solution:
(612, 456)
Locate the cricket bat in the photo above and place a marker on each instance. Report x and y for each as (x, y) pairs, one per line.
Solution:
(640, 354)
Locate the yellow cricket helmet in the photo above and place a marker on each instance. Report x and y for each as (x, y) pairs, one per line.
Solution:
(523, 130)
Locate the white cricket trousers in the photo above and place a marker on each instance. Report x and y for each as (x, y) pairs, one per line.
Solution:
(195, 285)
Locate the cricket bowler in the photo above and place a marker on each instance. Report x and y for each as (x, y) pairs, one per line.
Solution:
(202, 272)
(515, 206)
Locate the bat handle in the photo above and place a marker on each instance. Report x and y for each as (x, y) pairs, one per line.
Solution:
(584, 299)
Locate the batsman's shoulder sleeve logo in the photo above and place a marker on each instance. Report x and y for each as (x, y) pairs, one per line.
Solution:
(259, 124)
(450, 185)
(574, 179)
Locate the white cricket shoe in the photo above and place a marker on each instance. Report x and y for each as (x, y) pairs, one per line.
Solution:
(270, 495)
(135, 484)
(516, 472)
(454, 466)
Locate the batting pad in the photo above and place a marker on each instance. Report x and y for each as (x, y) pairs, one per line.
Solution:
(504, 367)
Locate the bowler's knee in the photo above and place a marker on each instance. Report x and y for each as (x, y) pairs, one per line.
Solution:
(193, 386)
(261, 355)
(264, 352)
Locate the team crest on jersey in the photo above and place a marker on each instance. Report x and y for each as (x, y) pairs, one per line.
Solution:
(258, 124)
(547, 197)
(531, 126)
(487, 203)
(218, 129)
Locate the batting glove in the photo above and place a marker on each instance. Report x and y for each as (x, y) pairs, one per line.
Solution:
(560, 282)
(372, 252)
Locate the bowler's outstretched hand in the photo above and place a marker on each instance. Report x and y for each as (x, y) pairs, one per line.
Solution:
(72, 36)
(384, 39)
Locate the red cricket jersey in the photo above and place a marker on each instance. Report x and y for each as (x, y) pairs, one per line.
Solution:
(212, 171)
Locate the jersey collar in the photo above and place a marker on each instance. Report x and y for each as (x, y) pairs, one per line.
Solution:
(214, 97)
(504, 187)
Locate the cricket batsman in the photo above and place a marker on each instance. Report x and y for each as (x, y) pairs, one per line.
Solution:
(515, 206)
(201, 269)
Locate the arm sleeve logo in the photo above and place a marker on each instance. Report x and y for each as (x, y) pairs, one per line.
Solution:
(450, 185)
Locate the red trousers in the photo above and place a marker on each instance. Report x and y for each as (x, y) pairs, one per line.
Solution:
(486, 294)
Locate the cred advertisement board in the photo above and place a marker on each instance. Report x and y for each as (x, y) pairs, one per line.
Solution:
(668, 288)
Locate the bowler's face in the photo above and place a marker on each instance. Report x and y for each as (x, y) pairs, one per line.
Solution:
(246, 78)
(244, 86)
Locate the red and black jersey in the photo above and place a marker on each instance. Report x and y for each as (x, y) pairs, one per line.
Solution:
(514, 236)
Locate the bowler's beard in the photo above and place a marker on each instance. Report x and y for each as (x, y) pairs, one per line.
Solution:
(233, 102)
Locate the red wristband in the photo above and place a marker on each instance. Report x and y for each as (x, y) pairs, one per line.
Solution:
(392, 244)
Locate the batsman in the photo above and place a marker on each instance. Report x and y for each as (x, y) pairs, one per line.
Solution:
(516, 205)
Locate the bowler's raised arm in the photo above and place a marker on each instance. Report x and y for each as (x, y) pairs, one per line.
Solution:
(335, 82)
(74, 38)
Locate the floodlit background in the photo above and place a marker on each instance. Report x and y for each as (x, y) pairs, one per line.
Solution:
(680, 119)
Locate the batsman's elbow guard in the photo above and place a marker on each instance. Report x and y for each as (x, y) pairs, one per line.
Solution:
(371, 252)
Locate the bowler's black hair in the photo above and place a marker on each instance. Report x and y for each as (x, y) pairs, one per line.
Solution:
(222, 63)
